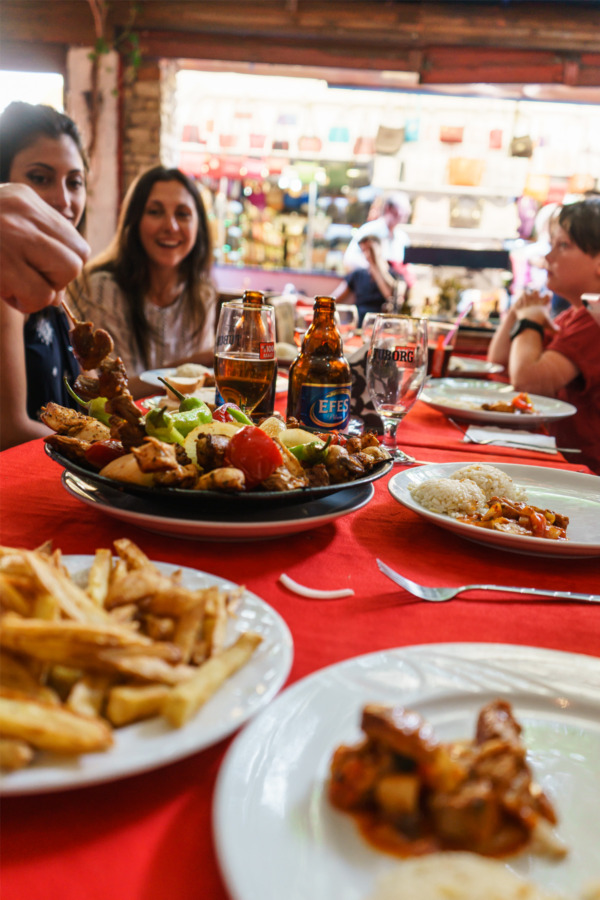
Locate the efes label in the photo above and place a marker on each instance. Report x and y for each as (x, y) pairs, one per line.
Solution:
(399, 354)
(325, 407)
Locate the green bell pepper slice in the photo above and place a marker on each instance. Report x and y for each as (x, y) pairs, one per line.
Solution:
(160, 424)
(95, 407)
(188, 404)
(312, 453)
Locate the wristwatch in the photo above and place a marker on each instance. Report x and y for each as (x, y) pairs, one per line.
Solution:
(523, 324)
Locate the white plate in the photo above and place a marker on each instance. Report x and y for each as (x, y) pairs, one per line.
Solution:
(148, 745)
(278, 837)
(207, 394)
(151, 376)
(225, 523)
(571, 493)
(471, 366)
(462, 398)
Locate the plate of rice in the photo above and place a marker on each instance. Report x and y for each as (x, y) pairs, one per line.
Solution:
(441, 492)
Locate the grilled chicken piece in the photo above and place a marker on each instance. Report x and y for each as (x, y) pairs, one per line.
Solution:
(497, 721)
(67, 421)
(283, 480)
(130, 434)
(355, 772)
(161, 460)
(123, 406)
(318, 476)
(210, 451)
(181, 477)
(155, 456)
(341, 466)
(406, 733)
(225, 479)
(71, 447)
(90, 346)
(110, 380)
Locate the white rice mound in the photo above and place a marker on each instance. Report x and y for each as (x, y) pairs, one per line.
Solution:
(455, 876)
(492, 481)
(446, 495)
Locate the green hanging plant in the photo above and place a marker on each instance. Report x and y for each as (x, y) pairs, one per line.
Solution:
(126, 44)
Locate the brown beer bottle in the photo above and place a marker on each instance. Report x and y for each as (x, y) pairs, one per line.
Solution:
(266, 405)
(320, 380)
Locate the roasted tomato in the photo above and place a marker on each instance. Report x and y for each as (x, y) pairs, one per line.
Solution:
(335, 437)
(522, 402)
(229, 412)
(255, 453)
(103, 452)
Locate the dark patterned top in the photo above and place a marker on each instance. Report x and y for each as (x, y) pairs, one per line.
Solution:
(48, 358)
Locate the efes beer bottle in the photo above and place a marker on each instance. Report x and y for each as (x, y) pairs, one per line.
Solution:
(266, 405)
(320, 381)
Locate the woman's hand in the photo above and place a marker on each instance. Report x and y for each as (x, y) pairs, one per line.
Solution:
(40, 251)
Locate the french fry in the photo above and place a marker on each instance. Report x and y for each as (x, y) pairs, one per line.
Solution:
(187, 698)
(14, 754)
(88, 694)
(77, 661)
(50, 727)
(12, 598)
(187, 630)
(132, 703)
(73, 601)
(215, 622)
(133, 555)
(15, 675)
(99, 576)
(146, 668)
(76, 644)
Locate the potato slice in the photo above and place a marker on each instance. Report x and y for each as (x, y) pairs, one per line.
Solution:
(51, 727)
(187, 698)
(14, 754)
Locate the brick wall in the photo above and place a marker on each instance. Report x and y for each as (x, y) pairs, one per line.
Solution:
(148, 113)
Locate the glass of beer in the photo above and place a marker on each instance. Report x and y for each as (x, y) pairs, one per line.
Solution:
(245, 359)
(396, 370)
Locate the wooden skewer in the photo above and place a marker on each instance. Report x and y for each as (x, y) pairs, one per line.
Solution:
(69, 312)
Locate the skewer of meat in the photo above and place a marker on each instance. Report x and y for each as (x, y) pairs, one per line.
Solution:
(90, 345)
(92, 349)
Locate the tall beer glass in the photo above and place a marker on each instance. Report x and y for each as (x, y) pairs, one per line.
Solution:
(396, 370)
(245, 353)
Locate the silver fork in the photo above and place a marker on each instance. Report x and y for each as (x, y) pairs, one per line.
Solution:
(438, 594)
(403, 459)
(516, 444)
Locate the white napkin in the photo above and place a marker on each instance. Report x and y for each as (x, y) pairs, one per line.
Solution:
(511, 437)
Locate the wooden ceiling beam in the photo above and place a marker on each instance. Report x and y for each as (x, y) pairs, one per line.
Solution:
(444, 42)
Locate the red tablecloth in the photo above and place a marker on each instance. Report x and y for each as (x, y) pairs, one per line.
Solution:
(149, 836)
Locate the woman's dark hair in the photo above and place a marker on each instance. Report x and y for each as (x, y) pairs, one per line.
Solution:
(127, 260)
(581, 221)
(21, 124)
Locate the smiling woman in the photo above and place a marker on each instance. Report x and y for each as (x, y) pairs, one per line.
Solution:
(151, 288)
(40, 148)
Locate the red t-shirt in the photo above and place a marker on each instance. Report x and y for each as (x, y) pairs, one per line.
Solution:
(579, 340)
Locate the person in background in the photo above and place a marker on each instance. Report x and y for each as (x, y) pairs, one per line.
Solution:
(40, 251)
(394, 212)
(151, 289)
(559, 357)
(40, 149)
(375, 288)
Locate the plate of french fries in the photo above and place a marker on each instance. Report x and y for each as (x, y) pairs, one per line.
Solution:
(112, 664)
